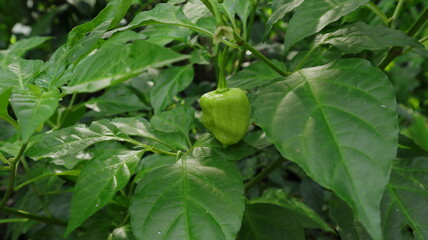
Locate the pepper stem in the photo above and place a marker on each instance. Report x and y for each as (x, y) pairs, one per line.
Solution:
(222, 84)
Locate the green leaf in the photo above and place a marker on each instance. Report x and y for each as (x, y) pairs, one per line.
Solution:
(338, 122)
(192, 199)
(98, 182)
(418, 131)
(81, 40)
(301, 213)
(207, 146)
(173, 126)
(163, 13)
(255, 75)
(32, 107)
(404, 209)
(134, 126)
(116, 100)
(109, 66)
(195, 10)
(359, 36)
(19, 48)
(313, 15)
(243, 10)
(169, 83)
(19, 73)
(74, 139)
(228, 8)
(266, 221)
(4, 102)
(279, 13)
(164, 34)
(348, 226)
(153, 162)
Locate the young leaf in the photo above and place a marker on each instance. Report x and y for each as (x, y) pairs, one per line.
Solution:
(192, 199)
(109, 66)
(359, 36)
(98, 182)
(313, 15)
(404, 208)
(32, 107)
(169, 84)
(339, 123)
(74, 139)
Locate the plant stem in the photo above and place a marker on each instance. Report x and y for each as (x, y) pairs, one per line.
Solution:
(419, 23)
(397, 11)
(67, 110)
(376, 10)
(222, 84)
(423, 39)
(3, 159)
(13, 164)
(4, 168)
(397, 51)
(21, 213)
(264, 173)
(10, 120)
(66, 173)
(259, 55)
(251, 22)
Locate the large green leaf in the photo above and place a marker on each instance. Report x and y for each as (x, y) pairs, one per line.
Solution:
(359, 36)
(74, 139)
(404, 205)
(313, 15)
(338, 122)
(109, 66)
(98, 182)
(32, 107)
(192, 199)
(18, 73)
(169, 84)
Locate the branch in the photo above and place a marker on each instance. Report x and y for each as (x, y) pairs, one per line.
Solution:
(264, 173)
(21, 213)
(397, 51)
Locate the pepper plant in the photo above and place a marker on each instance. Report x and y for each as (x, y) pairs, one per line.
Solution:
(313, 123)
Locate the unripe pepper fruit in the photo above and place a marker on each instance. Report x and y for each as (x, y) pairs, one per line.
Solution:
(226, 113)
